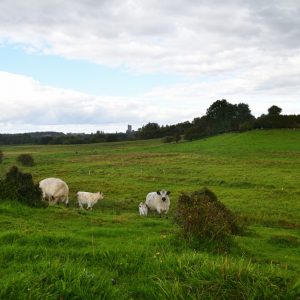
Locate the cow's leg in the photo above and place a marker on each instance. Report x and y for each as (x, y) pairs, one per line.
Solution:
(67, 201)
(159, 212)
(44, 196)
(55, 200)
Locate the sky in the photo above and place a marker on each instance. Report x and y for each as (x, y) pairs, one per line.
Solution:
(88, 65)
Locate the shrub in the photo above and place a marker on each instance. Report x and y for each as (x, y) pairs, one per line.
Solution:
(20, 187)
(202, 217)
(1, 156)
(26, 160)
(167, 139)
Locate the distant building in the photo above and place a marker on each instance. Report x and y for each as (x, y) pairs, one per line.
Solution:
(129, 130)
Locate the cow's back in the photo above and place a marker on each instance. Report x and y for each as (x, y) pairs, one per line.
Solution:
(54, 187)
(83, 197)
(151, 200)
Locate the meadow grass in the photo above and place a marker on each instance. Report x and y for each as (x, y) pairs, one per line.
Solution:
(60, 253)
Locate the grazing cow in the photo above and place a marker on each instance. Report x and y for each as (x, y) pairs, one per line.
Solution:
(54, 190)
(158, 201)
(88, 198)
(143, 209)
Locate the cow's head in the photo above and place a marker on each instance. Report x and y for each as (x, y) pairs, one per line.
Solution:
(101, 195)
(164, 194)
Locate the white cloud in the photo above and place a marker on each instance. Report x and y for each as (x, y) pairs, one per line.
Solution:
(28, 105)
(187, 37)
(242, 50)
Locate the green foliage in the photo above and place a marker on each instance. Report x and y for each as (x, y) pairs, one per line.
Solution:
(20, 187)
(176, 137)
(111, 138)
(221, 117)
(221, 114)
(274, 110)
(26, 159)
(246, 126)
(277, 121)
(1, 156)
(202, 216)
(167, 139)
(149, 131)
(243, 113)
(224, 116)
(201, 127)
(193, 133)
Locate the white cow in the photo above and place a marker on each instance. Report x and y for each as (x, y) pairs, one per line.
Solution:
(54, 190)
(88, 198)
(143, 209)
(158, 201)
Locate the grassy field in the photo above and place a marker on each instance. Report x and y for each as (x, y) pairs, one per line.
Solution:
(61, 253)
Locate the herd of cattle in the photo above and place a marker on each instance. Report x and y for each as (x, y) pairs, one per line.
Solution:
(55, 190)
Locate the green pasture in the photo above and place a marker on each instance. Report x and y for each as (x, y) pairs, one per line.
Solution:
(112, 253)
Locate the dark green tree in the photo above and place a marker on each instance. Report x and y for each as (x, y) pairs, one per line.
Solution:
(224, 116)
(149, 131)
(176, 137)
(221, 115)
(243, 113)
(274, 110)
(192, 134)
(243, 116)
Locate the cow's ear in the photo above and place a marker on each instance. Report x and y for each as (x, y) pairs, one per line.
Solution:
(158, 192)
(168, 192)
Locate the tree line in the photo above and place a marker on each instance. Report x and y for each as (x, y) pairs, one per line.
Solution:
(57, 138)
(220, 117)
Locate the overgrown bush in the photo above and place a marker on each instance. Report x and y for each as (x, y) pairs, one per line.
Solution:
(202, 217)
(26, 160)
(1, 156)
(20, 187)
(167, 139)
